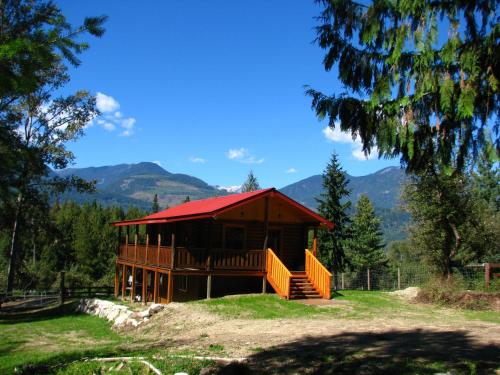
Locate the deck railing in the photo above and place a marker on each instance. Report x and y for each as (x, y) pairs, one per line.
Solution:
(278, 275)
(319, 276)
(192, 258)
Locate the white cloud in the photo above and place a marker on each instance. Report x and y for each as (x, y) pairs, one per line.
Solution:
(105, 103)
(126, 133)
(242, 155)
(106, 125)
(128, 123)
(291, 170)
(157, 162)
(118, 114)
(337, 135)
(193, 159)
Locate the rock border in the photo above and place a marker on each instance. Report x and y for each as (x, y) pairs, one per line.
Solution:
(120, 315)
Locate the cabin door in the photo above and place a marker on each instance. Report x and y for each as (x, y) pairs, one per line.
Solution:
(274, 241)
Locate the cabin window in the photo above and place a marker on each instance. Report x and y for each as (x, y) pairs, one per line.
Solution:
(183, 284)
(234, 238)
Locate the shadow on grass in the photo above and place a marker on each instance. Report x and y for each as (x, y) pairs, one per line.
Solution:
(393, 352)
(33, 315)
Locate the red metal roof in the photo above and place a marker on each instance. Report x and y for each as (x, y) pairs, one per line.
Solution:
(210, 207)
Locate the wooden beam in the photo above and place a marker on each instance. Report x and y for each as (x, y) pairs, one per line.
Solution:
(173, 250)
(170, 287)
(264, 284)
(158, 252)
(147, 245)
(117, 282)
(266, 222)
(209, 286)
(135, 248)
(155, 288)
(124, 281)
(132, 289)
(315, 242)
(144, 286)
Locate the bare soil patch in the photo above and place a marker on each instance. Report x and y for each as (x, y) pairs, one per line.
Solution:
(193, 327)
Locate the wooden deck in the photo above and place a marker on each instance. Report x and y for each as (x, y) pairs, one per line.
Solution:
(194, 259)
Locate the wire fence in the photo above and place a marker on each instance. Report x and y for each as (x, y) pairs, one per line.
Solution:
(469, 278)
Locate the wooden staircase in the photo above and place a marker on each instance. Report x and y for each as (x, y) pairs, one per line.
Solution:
(314, 282)
(301, 287)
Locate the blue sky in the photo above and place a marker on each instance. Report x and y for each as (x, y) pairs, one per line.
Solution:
(210, 88)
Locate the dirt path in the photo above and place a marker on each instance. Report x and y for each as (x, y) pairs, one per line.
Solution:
(194, 327)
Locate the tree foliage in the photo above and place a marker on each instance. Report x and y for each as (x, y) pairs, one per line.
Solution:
(421, 77)
(36, 44)
(251, 183)
(155, 207)
(330, 206)
(365, 247)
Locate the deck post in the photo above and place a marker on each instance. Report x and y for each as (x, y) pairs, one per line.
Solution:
(266, 222)
(173, 251)
(144, 297)
(155, 288)
(135, 248)
(315, 242)
(264, 284)
(124, 280)
(117, 282)
(147, 245)
(132, 290)
(170, 287)
(209, 286)
(158, 252)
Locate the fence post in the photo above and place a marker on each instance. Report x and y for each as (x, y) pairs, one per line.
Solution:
(487, 275)
(368, 278)
(61, 287)
(342, 281)
(399, 278)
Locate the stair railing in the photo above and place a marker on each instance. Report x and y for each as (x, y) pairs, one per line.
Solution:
(319, 276)
(278, 275)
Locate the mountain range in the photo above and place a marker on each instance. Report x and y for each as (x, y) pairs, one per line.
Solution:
(136, 184)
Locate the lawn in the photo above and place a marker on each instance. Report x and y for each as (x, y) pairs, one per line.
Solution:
(57, 340)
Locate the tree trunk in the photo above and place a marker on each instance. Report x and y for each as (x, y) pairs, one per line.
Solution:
(454, 249)
(12, 253)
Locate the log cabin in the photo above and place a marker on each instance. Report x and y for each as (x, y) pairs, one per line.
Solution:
(232, 244)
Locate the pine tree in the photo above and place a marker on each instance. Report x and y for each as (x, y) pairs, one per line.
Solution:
(330, 206)
(365, 248)
(187, 199)
(251, 183)
(156, 207)
(421, 78)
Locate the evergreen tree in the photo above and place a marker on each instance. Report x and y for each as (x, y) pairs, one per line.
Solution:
(36, 41)
(330, 206)
(421, 77)
(156, 207)
(251, 183)
(365, 248)
(187, 199)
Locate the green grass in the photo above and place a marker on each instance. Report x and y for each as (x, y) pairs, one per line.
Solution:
(259, 307)
(59, 340)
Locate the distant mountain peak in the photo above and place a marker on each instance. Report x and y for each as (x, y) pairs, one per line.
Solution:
(387, 170)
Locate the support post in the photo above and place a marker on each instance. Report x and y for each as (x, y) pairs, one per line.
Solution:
(399, 278)
(266, 223)
(147, 245)
(155, 288)
(209, 286)
(158, 252)
(126, 244)
(173, 251)
(132, 289)
(135, 248)
(62, 287)
(117, 282)
(315, 242)
(264, 284)
(170, 287)
(124, 281)
(144, 286)
(342, 281)
(369, 280)
(487, 271)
